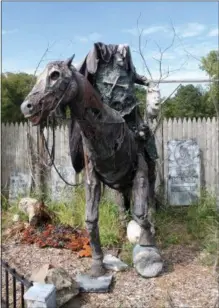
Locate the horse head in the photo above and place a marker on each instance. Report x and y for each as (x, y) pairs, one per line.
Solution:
(55, 85)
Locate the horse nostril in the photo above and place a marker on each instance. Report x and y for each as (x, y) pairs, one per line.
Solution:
(29, 106)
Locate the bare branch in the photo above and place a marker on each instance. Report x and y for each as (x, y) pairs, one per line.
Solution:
(182, 44)
(162, 52)
(140, 47)
(169, 72)
(43, 56)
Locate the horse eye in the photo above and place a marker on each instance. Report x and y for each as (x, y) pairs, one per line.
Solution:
(54, 75)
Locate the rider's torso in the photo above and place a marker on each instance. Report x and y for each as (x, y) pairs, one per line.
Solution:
(116, 86)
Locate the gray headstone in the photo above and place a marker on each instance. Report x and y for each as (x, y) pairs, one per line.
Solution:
(19, 186)
(59, 189)
(184, 172)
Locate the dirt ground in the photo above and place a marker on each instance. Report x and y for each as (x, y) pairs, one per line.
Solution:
(185, 282)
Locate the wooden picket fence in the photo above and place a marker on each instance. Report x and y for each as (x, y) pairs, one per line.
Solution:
(18, 157)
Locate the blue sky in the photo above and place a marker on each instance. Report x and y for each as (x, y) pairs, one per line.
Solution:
(73, 27)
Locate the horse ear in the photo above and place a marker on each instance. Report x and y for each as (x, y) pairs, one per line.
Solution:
(68, 62)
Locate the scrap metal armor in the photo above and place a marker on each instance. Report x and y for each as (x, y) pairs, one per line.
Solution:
(110, 70)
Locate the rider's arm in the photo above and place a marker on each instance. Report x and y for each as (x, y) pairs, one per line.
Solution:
(141, 80)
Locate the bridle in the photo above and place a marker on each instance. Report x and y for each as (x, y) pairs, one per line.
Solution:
(51, 119)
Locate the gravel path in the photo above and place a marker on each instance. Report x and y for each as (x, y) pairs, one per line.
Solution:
(184, 282)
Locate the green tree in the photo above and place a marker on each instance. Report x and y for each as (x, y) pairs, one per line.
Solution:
(15, 87)
(210, 64)
(141, 93)
(189, 101)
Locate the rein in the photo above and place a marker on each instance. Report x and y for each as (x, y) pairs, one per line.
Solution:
(52, 158)
(52, 153)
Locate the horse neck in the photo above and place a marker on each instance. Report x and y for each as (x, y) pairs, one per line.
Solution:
(85, 106)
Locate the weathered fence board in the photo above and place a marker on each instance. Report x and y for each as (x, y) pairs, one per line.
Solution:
(19, 155)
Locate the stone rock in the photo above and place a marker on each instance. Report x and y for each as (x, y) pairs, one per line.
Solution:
(36, 211)
(147, 261)
(133, 232)
(39, 274)
(66, 287)
(16, 218)
(112, 263)
(94, 284)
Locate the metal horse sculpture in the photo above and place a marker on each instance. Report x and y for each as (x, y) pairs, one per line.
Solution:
(114, 156)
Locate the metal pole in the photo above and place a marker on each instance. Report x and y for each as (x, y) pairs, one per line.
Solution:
(184, 81)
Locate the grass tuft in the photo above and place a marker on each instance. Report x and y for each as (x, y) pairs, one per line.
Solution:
(73, 214)
(198, 223)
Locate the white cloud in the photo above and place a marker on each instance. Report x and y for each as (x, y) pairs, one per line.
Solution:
(197, 50)
(154, 29)
(191, 29)
(82, 39)
(146, 30)
(165, 56)
(4, 32)
(94, 36)
(132, 31)
(214, 32)
(186, 30)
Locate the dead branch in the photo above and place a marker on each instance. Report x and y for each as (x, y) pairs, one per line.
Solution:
(182, 44)
(43, 56)
(160, 60)
(167, 74)
(162, 75)
(140, 51)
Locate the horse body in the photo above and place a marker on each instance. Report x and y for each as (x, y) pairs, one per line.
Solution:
(114, 156)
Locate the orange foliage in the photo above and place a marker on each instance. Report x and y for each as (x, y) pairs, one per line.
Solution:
(58, 237)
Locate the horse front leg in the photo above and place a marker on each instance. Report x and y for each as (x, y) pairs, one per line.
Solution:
(93, 191)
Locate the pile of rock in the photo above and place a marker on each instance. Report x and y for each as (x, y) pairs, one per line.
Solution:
(36, 210)
(66, 286)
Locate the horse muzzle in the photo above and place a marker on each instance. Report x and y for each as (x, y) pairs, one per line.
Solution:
(30, 112)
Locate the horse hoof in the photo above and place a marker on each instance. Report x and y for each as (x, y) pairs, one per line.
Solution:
(97, 270)
(147, 261)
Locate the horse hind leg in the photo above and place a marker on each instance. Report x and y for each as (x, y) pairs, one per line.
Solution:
(146, 258)
(152, 202)
(140, 206)
(93, 192)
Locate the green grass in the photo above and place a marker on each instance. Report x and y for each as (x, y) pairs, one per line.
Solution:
(197, 223)
(126, 253)
(171, 227)
(8, 213)
(203, 222)
(73, 214)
